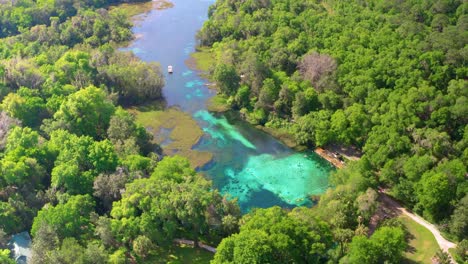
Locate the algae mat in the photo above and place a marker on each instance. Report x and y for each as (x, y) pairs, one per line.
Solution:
(135, 9)
(176, 132)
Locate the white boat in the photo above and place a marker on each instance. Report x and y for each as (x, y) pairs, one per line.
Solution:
(169, 69)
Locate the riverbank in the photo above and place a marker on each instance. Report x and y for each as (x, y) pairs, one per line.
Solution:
(202, 61)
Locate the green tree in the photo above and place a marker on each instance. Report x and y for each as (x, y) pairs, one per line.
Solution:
(25, 105)
(173, 202)
(9, 220)
(252, 247)
(227, 79)
(461, 251)
(135, 81)
(69, 219)
(385, 245)
(118, 257)
(20, 164)
(5, 257)
(459, 219)
(305, 102)
(142, 246)
(74, 68)
(86, 112)
(103, 157)
(274, 236)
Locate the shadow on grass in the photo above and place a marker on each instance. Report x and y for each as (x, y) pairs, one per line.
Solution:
(405, 260)
(179, 255)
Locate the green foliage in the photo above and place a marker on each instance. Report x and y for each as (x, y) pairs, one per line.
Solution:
(5, 257)
(102, 156)
(142, 246)
(86, 112)
(20, 163)
(437, 189)
(25, 105)
(128, 137)
(461, 251)
(459, 221)
(74, 68)
(274, 236)
(173, 202)
(388, 78)
(70, 251)
(8, 218)
(71, 219)
(60, 136)
(227, 79)
(134, 80)
(174, 168)
(385, 245)
(118, 257)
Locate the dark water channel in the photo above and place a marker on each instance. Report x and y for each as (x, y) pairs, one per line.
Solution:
(248, 163)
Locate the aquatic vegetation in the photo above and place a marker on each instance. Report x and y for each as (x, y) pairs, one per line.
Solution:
(176, 131)
(134, 9)
(223, 127)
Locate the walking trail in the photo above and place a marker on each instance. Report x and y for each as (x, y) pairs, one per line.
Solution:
(390, 203)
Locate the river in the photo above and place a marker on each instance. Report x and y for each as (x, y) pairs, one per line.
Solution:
(247, 163)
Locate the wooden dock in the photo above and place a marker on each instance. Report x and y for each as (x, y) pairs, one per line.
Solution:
(330, 157)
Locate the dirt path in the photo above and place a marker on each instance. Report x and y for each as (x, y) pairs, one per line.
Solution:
(390, 203)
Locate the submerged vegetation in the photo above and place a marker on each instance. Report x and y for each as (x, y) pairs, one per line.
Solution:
(182, 133)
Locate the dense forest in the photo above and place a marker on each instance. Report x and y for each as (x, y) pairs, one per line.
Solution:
(388, 77)
(75, 169)
(91, 186)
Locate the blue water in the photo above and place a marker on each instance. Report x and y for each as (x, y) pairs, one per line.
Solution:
(248, 164)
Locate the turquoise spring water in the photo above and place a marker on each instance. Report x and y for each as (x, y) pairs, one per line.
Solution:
(248, 164)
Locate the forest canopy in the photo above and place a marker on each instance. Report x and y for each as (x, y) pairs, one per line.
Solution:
(388, 77)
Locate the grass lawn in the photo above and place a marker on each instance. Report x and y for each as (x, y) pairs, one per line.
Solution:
(422, 244)
(175, 130)
(180, 255)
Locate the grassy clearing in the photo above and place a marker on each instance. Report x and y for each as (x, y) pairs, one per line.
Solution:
(422, 244)
(203, 59)
(180, 255)
(218, 103)
(183, 132)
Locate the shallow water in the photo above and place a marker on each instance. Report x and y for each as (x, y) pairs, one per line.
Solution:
(248, 163)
